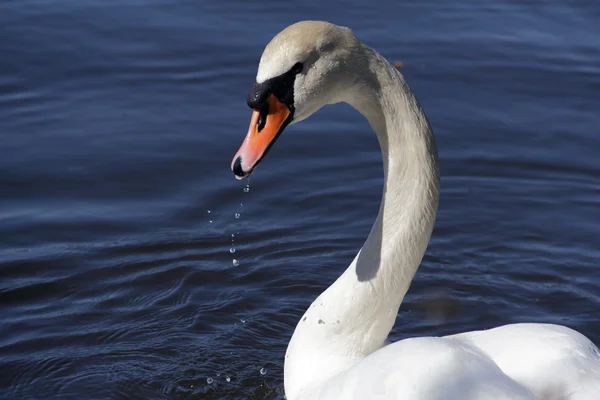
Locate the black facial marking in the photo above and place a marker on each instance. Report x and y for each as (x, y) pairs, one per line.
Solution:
(297, 68)
(281, 86)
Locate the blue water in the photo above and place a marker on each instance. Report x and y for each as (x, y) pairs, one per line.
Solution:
(118, 121)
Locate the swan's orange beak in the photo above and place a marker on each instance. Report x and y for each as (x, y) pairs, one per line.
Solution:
(265, 127)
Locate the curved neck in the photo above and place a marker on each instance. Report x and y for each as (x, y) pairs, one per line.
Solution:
(354, 316)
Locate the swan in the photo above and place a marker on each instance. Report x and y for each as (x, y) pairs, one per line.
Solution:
(339, 348)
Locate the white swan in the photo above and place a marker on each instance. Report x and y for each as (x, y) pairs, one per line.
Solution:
(339, 349)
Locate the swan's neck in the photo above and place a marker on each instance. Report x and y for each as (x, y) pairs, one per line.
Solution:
(354, 316)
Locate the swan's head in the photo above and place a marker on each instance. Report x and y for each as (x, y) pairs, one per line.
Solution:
(302, 69)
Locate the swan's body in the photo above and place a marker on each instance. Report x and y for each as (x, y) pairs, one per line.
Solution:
(338, 350)
(519, 361)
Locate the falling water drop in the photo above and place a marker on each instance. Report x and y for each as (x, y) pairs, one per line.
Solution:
(209, 380)
(208, 211)
(210, 221)
(263, 371)
(232, 248)
(237, 215)
(228, 378)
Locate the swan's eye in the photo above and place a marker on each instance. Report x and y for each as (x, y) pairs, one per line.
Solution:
(297, 68)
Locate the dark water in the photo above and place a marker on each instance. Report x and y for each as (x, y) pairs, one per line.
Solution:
(118, 121)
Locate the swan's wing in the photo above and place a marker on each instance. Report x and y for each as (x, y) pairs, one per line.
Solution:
(552, 361)
(424, 369)
(520, 361)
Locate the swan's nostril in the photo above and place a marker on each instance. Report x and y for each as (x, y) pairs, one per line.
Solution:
(237, 168)
(262, 117)
(262, 121)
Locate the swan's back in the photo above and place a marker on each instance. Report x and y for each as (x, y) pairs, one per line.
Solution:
(553, 361)
(520, 361)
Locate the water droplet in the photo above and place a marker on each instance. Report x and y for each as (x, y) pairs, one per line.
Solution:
(232, 250)
(263, 371)
(247, 189)
(237, 215)
(233, 235)
(241, 204)
(209, 380)
(228, 378)
(218, 374)
(235, 262)
(243, 321)
(210, 221)
(208, 211)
